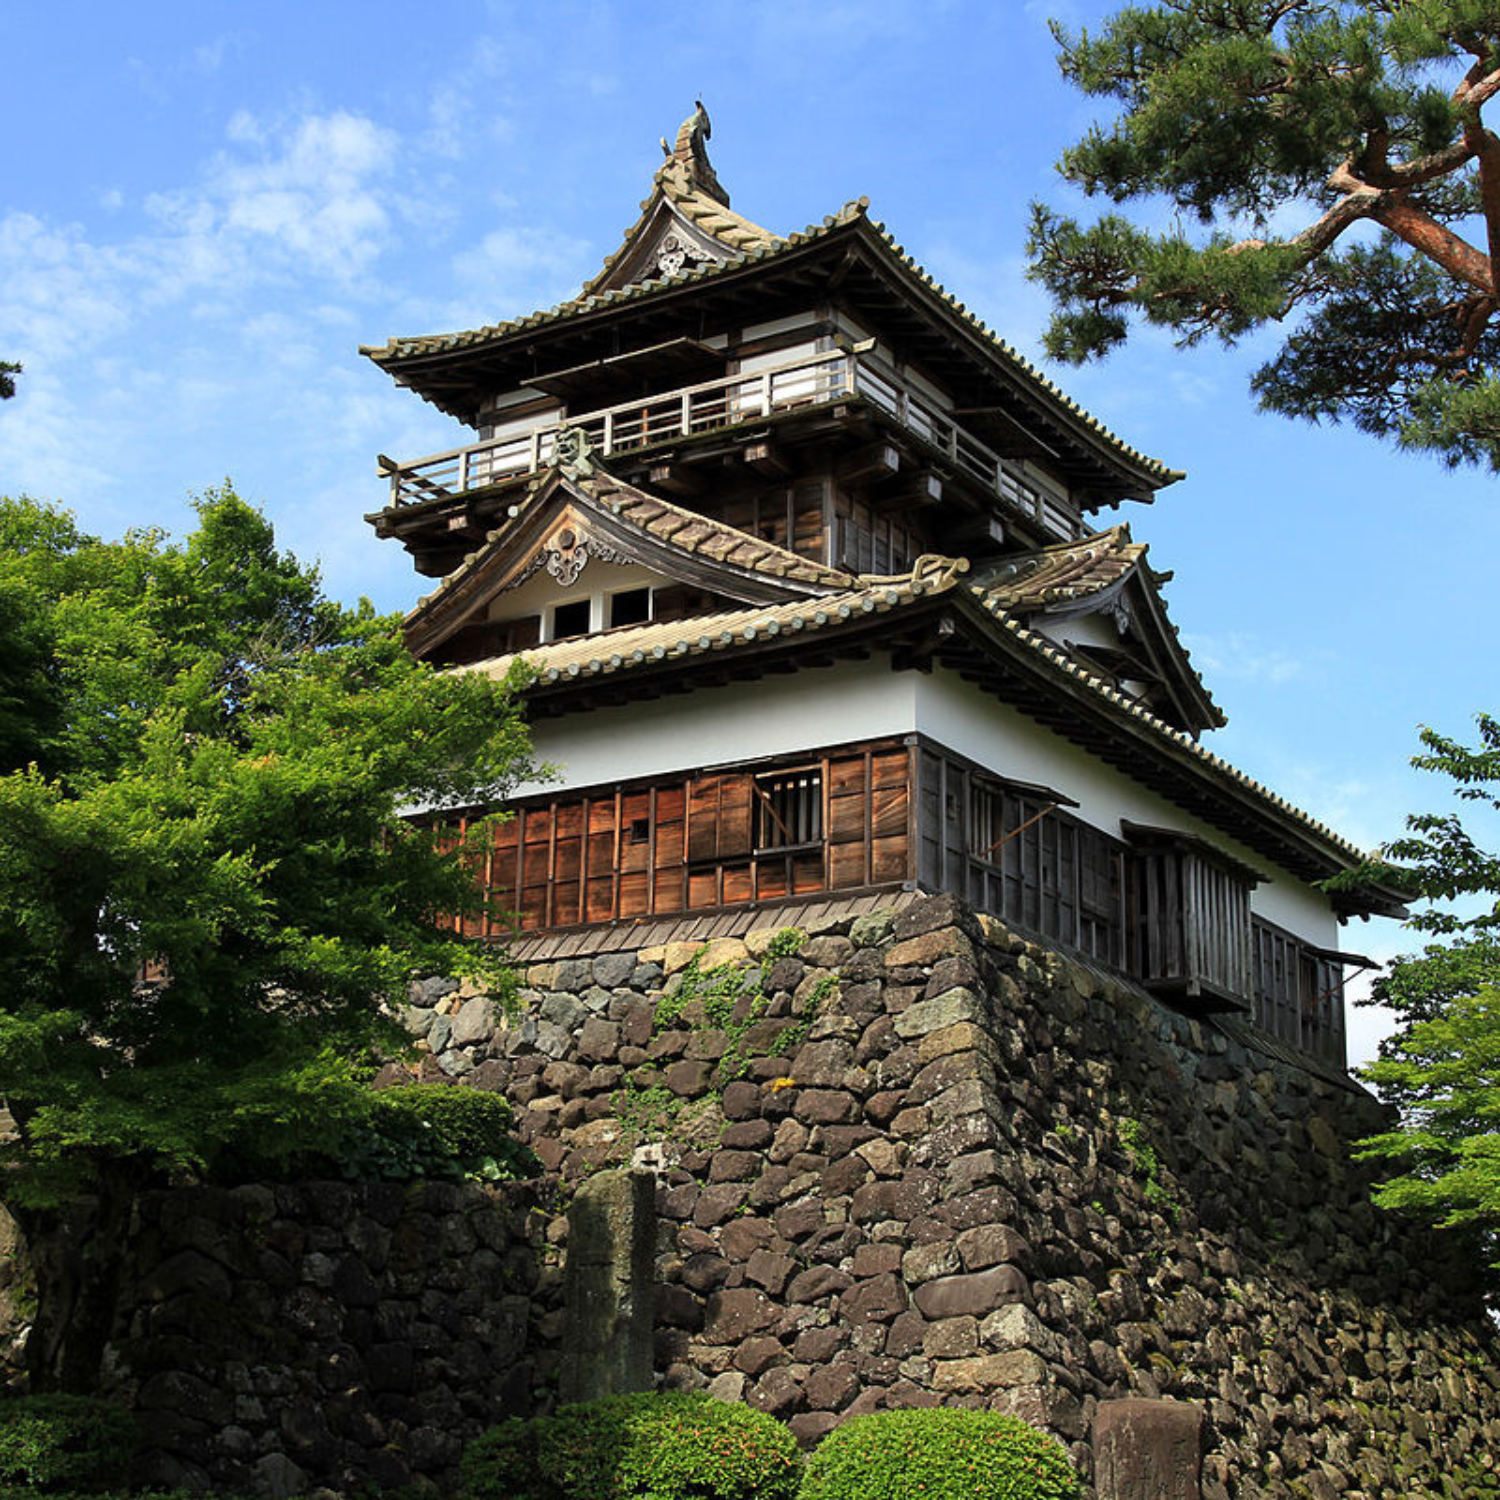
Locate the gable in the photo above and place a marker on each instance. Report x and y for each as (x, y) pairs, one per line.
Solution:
(568, 521)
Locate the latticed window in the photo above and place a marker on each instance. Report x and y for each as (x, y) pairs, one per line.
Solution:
(789, 808)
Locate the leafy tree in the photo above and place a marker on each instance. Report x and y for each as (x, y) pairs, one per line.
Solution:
(8, 372)
(1442, 1068)
(1335, 158)
(205, 766)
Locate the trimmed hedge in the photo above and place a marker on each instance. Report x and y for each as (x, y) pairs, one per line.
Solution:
(57, 1443)
(939, 1454)
(668, 1445)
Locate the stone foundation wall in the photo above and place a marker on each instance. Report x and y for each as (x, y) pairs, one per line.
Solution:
(275, 1339)
(942, 1165)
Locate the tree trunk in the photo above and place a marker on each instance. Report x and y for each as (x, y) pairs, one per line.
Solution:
(76, 1255)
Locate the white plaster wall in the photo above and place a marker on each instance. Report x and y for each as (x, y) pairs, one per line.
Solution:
(1087, 630)
(866, 700)
(722, 725)
(596, 580)
(996, 735)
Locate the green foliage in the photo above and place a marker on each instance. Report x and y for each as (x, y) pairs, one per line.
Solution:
(502, 1464)
(1442, 1068)
(429, 1131)
(206, 766)
(646, 1113)
(939, 1454)
(1146, 1166)
(1447, 1072)
(57, 1443)
(1277, 129)
(9, 369)
(668, 1445)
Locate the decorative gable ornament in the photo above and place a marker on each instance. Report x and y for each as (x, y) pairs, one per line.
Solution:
(674, 253)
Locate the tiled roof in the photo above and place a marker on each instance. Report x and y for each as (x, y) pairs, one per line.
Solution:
(1063, 572)
(1069, 572)
(683, 529)
(754, 250)
(642, 646)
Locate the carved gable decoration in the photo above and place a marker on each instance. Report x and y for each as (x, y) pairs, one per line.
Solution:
(567, 552)
(580, 515)
(667, 245)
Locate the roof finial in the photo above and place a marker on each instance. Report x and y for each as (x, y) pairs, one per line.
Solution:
(691, 154)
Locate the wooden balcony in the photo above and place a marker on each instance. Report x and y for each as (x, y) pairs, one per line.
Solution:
(695, 410)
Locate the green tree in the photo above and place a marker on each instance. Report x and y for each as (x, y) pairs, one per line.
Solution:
(206, 763)
(8, 372)
(1442, 1067)
(1323, 164)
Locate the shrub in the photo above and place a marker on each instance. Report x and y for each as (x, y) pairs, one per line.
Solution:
(425, 1130)
(668, 1445)
(54, 1443)
(939, 1454)
(501, 1464)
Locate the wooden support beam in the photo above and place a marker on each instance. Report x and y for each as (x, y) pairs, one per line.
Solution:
(927, 488)
(675, 479)
(869, 465)
(765, 458)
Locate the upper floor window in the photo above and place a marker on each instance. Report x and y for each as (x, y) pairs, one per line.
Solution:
(789, 808)
(603, 611)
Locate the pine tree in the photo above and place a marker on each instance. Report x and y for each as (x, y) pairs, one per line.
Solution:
(1280, 134)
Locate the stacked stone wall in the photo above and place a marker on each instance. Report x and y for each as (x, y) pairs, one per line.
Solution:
(946, 1166)
(276, 1339)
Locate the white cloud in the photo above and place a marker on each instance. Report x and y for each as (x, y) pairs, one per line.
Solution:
(512, 270)
(1243, 656)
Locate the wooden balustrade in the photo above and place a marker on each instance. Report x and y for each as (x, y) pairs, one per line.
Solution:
(808, 381)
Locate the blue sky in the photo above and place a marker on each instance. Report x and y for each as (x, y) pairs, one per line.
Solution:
(205, 209)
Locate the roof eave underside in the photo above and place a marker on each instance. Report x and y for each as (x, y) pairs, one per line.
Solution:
(454, 376)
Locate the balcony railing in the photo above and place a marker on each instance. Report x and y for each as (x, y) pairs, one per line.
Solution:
(809, 381)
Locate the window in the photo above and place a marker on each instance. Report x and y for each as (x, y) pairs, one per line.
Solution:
(569, 620)
(789, 808)
(629, 607)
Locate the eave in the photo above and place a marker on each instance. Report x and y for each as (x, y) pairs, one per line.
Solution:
(941, 622)
(850, 257)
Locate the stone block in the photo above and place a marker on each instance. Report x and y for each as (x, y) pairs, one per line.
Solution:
(991, 1245)
(951, 1338)
(474, 1021)
(1148, 1450)
(822, 1064)
(735, 1314)
(972, 1295)
(610, 1274)
(872, 930)
(952, 1008)
(877, 1300)
(817, 1284)
(611, 971)
(929, 948)
(987, 1372)
(825, 1106)
(1015, 1326)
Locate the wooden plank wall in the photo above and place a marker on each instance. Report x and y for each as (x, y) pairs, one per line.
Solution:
(1188, 923)
(1014, 855)
(690, 844)
(1298, 995)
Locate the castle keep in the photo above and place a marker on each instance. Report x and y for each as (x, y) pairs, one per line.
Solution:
(803, 559)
